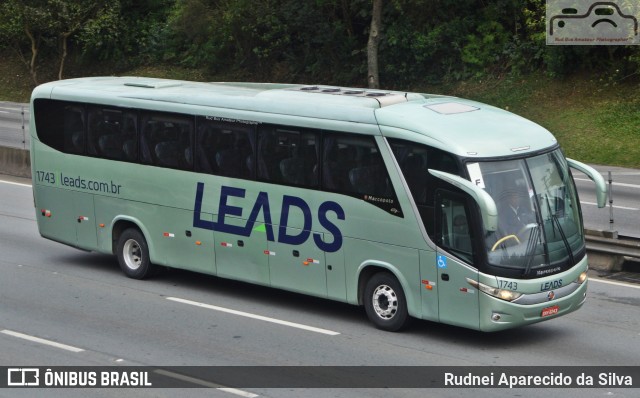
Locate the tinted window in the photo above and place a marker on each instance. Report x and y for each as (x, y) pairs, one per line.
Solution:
(60, 125)
(225, 149)
(166, 140)
(454, 233)
(415, 160)
(112, 134)
(288, 155)
(352, 164)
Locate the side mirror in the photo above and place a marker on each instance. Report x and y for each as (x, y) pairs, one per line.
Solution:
(595, 176)
(482, 198)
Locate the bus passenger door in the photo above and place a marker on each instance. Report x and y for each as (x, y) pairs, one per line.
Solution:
(458, 300)
(242, 257)
(298, 267)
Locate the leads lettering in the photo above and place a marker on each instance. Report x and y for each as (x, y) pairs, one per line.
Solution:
(551, 285)
(291, 206)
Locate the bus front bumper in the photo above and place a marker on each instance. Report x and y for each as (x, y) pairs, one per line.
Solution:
(496, 314)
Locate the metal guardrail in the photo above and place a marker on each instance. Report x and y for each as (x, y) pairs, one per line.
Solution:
(622, 247)
(608, 251)
(14, 125)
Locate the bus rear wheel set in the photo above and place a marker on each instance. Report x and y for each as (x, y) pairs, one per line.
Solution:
(133, 254)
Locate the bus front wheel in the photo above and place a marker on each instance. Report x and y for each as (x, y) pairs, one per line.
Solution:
(133, 254)
(385, 303)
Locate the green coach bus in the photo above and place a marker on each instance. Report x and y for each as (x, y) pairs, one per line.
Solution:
(412, 205)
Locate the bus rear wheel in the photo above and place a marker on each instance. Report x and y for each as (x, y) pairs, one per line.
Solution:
(133, 254)
(385, 302)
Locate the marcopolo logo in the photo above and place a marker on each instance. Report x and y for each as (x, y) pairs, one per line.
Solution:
(585, 22)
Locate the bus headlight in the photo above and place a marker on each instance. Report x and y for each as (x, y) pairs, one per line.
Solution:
(581, 278)
(502, 294)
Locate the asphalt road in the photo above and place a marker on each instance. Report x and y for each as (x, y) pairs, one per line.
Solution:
(81, 301)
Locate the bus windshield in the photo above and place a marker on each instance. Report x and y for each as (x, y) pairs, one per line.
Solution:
(539, 226)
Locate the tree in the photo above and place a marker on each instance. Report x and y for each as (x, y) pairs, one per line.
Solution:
(68, 17)
(372, 46)
(23, 26)
(26, 25)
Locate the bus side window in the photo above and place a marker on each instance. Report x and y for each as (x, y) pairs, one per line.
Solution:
(60, 125)
(167, 141)
(225, 149)
(74, 129)
(288, 155)
(415, 160)
(112, 134)
(353, 165)
(454, 233)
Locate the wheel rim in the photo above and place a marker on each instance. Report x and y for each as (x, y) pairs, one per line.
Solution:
(132, 254)
(385, 302)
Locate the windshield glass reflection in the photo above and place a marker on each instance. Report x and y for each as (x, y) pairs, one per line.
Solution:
(538, 216)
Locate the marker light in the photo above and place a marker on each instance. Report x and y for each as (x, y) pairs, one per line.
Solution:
(581, 278)
(503, 294)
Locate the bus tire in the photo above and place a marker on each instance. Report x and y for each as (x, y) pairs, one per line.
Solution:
(133, 254)
(385, 302)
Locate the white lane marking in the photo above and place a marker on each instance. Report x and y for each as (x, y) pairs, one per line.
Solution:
(241, 393)
(615, 207)
(620, 184)
(41, 341)
(254, 316)
(205, 383)
(15, 183)
(614, 283)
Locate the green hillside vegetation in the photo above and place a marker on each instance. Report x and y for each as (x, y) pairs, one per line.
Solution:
(492, 51)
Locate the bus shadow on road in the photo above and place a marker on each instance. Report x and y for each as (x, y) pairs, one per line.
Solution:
(512, 338)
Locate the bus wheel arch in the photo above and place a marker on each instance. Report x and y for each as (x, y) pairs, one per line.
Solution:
(384, 298)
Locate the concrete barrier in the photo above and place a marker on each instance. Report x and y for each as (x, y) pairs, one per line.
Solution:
(15, 162)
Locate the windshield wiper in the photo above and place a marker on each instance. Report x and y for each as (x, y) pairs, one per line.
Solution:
(564, 238)
(531, 247)
(556, 224)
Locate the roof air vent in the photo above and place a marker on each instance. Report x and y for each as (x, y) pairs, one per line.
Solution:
(153, 84)
(451, 108)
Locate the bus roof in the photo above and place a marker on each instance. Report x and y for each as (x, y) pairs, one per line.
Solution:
(466, 128)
